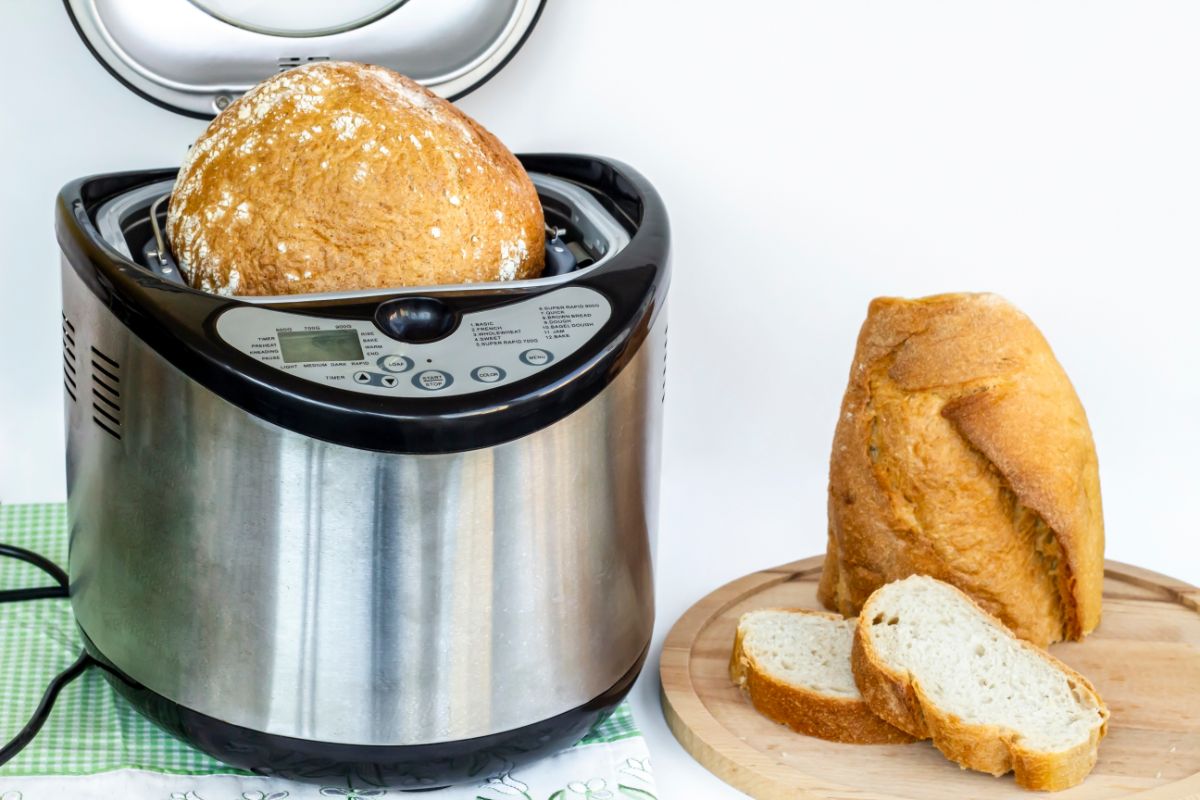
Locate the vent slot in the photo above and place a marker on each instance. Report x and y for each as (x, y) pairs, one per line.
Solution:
(105, 428)
(70, 368)
(106, 396)
(287, 62)
(113, 392)
(105, 414)
(100, 396)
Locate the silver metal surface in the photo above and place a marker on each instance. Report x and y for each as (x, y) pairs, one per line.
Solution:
(160, 242)
(298, 17)
(311, 590)
(186, 57)
(601, 233)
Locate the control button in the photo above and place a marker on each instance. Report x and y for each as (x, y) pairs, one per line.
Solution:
(395, 363)
(415, 319)
(389, 381)
(432, 380)
(488, 374)
(536, 357)
(362, 377)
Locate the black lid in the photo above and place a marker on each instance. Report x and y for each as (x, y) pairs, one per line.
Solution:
(179, 323)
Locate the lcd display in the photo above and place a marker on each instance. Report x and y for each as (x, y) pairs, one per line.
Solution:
(302, 346)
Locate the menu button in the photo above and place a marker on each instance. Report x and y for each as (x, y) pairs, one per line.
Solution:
(536, 357)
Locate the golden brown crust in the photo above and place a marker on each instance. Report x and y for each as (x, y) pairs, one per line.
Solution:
(837, 719)
(898, 698)
(337, 176)
(962, 452)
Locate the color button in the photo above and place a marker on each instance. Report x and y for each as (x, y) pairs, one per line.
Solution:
(488, 374)
(536, 357)
(432, 380)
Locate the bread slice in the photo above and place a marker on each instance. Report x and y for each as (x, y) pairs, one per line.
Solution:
(795, 665)
(933, 663)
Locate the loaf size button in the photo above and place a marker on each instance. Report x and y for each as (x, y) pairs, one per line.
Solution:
(362, 377)
(488, 374)
(536, 357)
(432, 380)
(395, 363)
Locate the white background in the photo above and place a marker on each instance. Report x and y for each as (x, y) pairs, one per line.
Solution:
(812, 155)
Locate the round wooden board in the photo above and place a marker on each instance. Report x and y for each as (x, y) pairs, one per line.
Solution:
(1144, 659)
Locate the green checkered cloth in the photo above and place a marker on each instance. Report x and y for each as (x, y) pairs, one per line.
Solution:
(93, 729)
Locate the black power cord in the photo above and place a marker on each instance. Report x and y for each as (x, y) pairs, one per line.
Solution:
(60, 681)
(40, 714)
(41, 562)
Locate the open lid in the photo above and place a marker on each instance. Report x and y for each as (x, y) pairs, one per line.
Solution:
(197, 56)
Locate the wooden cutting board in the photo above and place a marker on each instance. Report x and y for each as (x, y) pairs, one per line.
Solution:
(1144, 659)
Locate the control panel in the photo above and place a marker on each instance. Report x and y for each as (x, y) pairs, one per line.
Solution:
(489, 348)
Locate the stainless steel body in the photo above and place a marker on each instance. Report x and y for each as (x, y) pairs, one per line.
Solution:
(312, 590)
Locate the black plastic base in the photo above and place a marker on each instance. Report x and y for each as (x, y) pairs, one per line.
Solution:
(406, 767)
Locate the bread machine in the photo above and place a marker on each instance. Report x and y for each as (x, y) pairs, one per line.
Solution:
(399, 536)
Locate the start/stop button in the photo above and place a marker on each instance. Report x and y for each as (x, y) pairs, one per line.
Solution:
(432, 380)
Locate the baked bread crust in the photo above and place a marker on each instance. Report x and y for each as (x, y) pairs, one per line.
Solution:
(899, 699)
(337, 176)
(962, 452)
(838, 719)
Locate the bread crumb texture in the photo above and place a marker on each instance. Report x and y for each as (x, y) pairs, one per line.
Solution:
(794, 664)
(934, 663)
(804, 649)
(337, 176)
(963, 452)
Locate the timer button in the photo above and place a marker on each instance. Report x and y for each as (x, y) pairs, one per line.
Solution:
(415, 319)
(389, 381)
(536, 357)
(362, 377)
(432, 380)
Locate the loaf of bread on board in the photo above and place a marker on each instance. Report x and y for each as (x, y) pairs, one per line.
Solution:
(962, 452)
(337, 176)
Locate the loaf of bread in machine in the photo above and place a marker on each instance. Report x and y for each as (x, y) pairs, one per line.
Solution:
(962, 452)
(337, 176)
